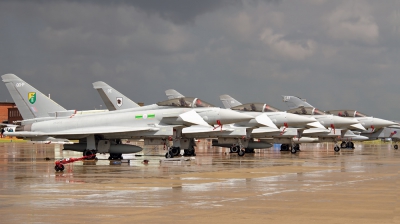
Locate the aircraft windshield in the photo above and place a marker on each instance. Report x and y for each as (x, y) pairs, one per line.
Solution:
(318, 112)
(302, 110)
(185, 102)
(268, 108)
(342, 113)
(256, 107)
(358, 114)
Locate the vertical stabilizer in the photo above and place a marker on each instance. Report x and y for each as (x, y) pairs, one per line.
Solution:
(229, 101)
(113, 99)
(295, 102)
(173, 94)
(30, 102)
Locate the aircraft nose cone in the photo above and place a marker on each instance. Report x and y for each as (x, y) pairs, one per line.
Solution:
(229, 116)
(343, 122)
(382, 122)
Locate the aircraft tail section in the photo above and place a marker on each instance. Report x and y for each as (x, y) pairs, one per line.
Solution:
(295, 102)
(229, 101)
(173, 94)
(30, 102)
(113, 99)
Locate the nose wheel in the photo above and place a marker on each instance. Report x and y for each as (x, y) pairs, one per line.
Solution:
(241, 152)
(396, 146)
(336, 148)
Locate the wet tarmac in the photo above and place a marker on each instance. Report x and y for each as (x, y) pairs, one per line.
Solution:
(315, 185)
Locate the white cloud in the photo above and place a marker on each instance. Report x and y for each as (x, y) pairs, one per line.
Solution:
(353, 21)
(288, 49)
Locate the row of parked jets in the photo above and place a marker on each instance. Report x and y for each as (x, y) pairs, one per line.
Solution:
(178, 121)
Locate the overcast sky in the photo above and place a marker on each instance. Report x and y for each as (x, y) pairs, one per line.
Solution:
(336, 54)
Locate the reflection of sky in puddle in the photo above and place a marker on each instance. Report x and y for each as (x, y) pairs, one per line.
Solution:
(44, 188)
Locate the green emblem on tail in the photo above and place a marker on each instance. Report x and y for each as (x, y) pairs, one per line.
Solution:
(32, 97)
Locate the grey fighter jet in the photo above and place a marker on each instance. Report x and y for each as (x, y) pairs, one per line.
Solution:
(97, 132)
(292, 125)
(369, 124)
(288, 123)
(184, 137)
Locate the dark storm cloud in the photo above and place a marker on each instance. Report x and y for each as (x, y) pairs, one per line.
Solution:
(337, 54)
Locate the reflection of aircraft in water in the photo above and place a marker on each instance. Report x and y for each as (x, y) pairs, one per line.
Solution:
(369, 124)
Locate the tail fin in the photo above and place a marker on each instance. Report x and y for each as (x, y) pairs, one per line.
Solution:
(113, 99)
(31, 103)
(229, 101)
(173, 94)
(295, 102)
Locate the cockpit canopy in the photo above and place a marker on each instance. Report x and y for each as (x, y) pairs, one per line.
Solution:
(189, 102)
(346, 113)
(256, 107)
(306, 111)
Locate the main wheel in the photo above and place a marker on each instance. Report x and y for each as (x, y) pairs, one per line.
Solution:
(336, 148)
(61, 167)
(241, 152)
(90, 153)
(284, 147)
(56, 168)
(343, 145)
(396, 146)
(175, 151)
(235, 149)
(351, 144)
(293, 150)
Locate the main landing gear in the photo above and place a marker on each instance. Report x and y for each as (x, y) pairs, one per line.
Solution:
(237, 149)
(348, 145)
(90, 154)
(175, 151)
(292, 148)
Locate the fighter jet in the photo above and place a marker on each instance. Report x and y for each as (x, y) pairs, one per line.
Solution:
(279, 119)
(185, 136)
(96, 132)
(292, 125)
(367, 124)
